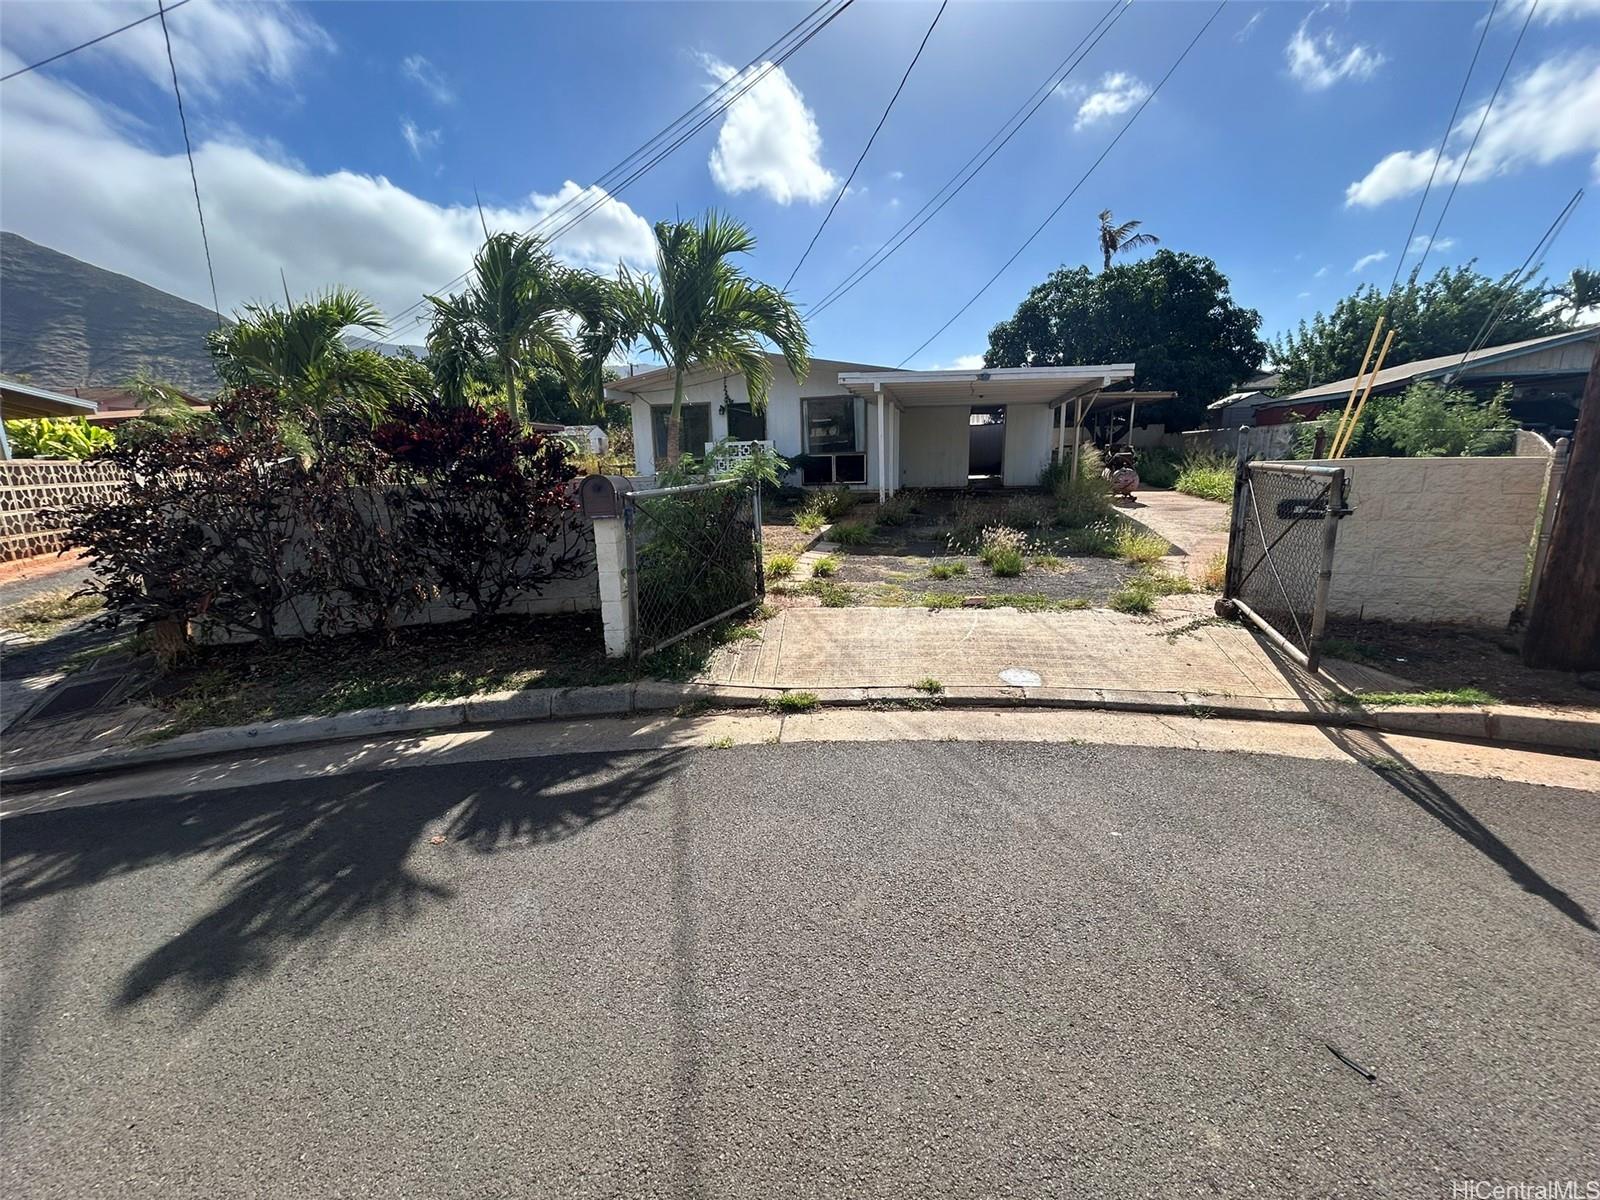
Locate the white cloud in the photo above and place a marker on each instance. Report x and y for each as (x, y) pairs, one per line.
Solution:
(73, 177)
(1550, 113)
(1320, 272)
(897, 176)
(964, 362)
(1249, 26)
(1317, 61)
(1117, 93)
(1421, 243)
(428, 77)
(419, 140)
(1367, 260)
(1551, 11)
(769, 141)
(216, 46)
(1303, 296)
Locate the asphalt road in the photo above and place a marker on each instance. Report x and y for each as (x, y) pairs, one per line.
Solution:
(808, 970)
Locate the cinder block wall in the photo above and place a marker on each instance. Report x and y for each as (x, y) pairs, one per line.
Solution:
(34, 491)
(1436, 539)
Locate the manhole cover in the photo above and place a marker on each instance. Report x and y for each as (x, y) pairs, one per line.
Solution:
(1020, 677)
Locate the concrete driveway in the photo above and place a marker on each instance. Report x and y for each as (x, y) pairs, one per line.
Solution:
(815, 969)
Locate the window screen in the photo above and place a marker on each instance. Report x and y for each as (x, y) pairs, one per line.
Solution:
(831, 425)
(696, 429)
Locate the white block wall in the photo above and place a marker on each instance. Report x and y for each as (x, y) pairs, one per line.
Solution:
(1436, 539)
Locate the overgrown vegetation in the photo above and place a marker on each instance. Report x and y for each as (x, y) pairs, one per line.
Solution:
(55, 437)
(1214, 574)
(851, 533)
(780, 566)
(1425, 421)
(947, 570)
(43, 616)
(794, 702)
(1083, 501)
(1003, 550)
(1158, 467)
(1138, 545)
(825, 567)
(1139, 595)
(1208, 476)
(928, 685)
(1445, 698)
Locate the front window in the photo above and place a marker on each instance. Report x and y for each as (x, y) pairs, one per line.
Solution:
(696, 431)
(832, 426)
(745, 424)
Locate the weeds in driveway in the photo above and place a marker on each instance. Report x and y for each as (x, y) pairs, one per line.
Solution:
(825, 567)
(1432, 699)
(929, 685)
(1136, 545)
(851, 533)
(1208, 476)
(1002, 550)
(832, 595)
(794, 702)
(1215, 572)
(947, 570)
(722, 743)
(938, 600)
(1049, 562)
(807, 521)
(46, 615)
(763, 612)
(780, 566)
(1352, 651)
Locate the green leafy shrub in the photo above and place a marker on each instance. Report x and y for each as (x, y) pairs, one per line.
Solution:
(56, 437)
(780, 566)
(1158, 467)
(850, 533)
(1137, 545)
(1427, 420)
(1208, 476)
(947, 570)
(830, 503)
(825, 567)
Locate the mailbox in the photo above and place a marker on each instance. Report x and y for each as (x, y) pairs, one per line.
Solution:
(602, 495)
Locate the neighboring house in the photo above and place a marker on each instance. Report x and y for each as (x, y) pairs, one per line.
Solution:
(119, 404)
(1546, 375)
(875, 428)
(23, 400)
(1237, 408)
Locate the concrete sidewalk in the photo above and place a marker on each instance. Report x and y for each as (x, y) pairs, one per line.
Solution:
(1182, 649)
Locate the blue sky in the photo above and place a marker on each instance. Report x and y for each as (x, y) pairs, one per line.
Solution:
(342, 142)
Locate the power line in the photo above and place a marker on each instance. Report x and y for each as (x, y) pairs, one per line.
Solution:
(935, 203)
(651, 153)
(45, 62)
(862, 158)
(1484, 120)
(188, 149)
(1439, 154)
(1081, 181)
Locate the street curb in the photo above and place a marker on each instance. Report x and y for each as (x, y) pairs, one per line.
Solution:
(1527, 728)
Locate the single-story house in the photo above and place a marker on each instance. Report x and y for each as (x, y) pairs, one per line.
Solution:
(880, 429)
(23, 400)
(1546, 375)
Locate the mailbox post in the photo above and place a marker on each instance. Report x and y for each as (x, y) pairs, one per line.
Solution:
(604, 501)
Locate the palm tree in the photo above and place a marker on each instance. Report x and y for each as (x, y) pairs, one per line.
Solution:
(701, 310)
(1579, 293)
(514, 311)
(300, 352)
(1116, 239)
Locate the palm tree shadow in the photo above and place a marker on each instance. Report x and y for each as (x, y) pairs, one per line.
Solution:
(308, 863)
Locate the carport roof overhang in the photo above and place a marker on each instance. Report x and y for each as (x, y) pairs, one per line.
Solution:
(999, 385)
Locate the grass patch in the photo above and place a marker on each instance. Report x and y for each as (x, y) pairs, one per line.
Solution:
(807, 521)
(947, 570)
(832, 595)
(1443, 698)
(1006, 563)
(1209, 477)
(780, 566)
(47, 615)
(794, 702)
(1133, 544)
(929, 685)
(1099, 539)
(851, 533)
(826, 567)
(1215, 572)
(938, 600)
(1352, 651)
(1136, 597)
(1048, 562)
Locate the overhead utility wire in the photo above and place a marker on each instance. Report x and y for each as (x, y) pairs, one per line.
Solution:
(845, 187)
(1484, 120)
(1081, 181)
(188, 149)
(651, 153)
(934, 203)
(45, 62)
(1439, 154)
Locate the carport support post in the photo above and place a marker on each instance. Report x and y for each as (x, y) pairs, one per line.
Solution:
(1077, 434)
(883, 457)
(611, 564)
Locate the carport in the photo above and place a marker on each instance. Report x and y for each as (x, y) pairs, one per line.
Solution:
(923, 418)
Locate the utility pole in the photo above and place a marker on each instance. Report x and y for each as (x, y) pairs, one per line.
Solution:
(1564, 626)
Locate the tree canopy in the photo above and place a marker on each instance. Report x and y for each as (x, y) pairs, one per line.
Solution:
(1171, 315)
(1441, 315)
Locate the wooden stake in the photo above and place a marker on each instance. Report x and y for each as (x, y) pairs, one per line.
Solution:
(1564, 626)
(1355, 385)
(1350, 433)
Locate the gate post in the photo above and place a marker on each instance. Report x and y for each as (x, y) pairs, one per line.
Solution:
(1241, 469)
(611, 563)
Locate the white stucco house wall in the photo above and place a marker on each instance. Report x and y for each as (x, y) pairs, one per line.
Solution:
(878, 429)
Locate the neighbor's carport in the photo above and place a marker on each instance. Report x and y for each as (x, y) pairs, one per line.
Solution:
(20, 400)
(915, 408)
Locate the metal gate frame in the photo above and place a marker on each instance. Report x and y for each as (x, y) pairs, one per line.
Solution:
(1245, 511)
(631, 533)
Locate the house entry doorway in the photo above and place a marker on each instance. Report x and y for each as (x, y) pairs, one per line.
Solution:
(986, 445)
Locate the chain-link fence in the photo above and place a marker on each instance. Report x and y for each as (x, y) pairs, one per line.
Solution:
(694, 556)
(1280, 551)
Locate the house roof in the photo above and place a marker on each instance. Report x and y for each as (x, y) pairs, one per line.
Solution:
(654, 380)
(995, 385)
(25, 400)
(1444, 364)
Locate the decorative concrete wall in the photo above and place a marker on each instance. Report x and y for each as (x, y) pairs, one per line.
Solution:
(33, 492)
(1436, 539)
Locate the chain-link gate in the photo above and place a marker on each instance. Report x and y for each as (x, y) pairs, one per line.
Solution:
(694, 558)
(1280, 551)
